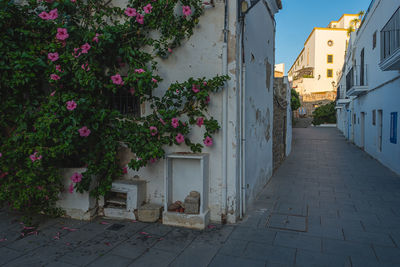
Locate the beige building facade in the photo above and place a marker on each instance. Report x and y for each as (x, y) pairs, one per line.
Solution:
(318, 66)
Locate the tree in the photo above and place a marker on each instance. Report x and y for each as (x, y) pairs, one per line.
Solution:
(294, 100)
(325, 114)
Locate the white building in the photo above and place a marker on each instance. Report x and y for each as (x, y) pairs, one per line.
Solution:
(368, 91)
(236, 39)
(317, 67)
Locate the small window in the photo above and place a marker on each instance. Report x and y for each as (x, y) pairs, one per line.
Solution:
(330, 59)
(374, 40)
(393, 127)
(125, 102)
(354, 118)
(329, 73)
(374, 117)
(330, 43)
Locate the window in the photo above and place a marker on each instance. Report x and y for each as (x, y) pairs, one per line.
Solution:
(374, 117)
(374, 40)
(329, 59)
(329, 73)
(125, 102)
(354, 119)
(393, 127)
(330, 43)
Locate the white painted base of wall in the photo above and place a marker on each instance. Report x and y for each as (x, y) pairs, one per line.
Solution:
(119, 213)
(76, 205)
(193, 221)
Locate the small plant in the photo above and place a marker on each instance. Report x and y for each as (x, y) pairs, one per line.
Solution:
(324, 114)
(294, 100)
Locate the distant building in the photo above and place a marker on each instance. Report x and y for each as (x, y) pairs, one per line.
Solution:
(369, 88)
(317, 68)
(279, 70)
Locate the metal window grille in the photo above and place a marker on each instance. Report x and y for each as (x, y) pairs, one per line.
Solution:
(125, 102)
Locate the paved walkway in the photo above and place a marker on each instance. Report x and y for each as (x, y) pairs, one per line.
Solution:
(329, 204)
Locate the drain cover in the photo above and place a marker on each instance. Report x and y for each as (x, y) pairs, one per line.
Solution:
(289, 222)
(115, 227)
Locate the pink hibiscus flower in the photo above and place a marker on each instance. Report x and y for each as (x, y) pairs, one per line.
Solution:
(180, 138)
(175, 122)
(186, 10)
(58, 68)
(200, 121)
(208, 99)
(139, 70)
(1, 155)
(130, 12)
(85, 67)
(205, 83)
(71, 105)
(62, 34)
(53, 14)
(125, 170)
(53, 56)
(71, 188)
(35, 157)
(162, 121)
(147, 8)
(53, 93)
(85, 48)
(54, 77)
(153, 130)
(96, 38)
(44, 15)
(169, 50)
(76, 177)
(152, 160)
(84, 131)
(76, 54)
(208, 141)
(154, 80)
(117, 79)
(139, 18)
(195, 88)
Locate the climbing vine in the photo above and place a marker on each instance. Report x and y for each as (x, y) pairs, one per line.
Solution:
(61, 63)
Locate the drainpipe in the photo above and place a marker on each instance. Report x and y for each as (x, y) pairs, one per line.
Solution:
(224, 205)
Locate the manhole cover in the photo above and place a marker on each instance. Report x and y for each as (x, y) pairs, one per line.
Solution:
(115, 227)
(289, 222)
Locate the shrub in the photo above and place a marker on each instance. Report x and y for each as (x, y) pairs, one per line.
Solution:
(60, 62)
(324, 114)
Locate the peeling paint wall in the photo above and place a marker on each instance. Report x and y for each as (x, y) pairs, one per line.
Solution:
(259, 38)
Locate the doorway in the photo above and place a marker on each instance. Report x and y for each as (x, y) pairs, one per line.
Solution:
(379, 124)
(362, 141)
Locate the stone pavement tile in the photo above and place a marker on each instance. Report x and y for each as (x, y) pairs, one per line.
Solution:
(254, 220)
(351, 225)
(387, 254)
(250, 234)
(135, 246)
(90, 250)
(322, 231)
(347, 248)
(59, 264)
(361, 261)
(294, 208)
(275, 254)
(158, 229)
(370, 238)
(313, 259)
(395, 235)
(196, 254)
(177, 240)
(294, 240)
(216, 236)
(7, 255)
(27, 261)
(223, 260)
(233, 247)
(111, 260)
(154, 257)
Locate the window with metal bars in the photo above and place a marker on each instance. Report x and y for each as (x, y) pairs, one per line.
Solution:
(125, 102)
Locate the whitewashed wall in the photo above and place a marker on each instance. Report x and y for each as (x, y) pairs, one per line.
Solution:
(259, 58)
(383, 94)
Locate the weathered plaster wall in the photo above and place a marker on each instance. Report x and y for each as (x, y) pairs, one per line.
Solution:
(259, 59)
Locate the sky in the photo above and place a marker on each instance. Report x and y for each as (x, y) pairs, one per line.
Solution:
(297, 18)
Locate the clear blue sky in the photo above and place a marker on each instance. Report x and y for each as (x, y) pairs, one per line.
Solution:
(297, 19)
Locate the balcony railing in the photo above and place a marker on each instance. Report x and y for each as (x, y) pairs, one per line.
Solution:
(390, 43)
(357, 80)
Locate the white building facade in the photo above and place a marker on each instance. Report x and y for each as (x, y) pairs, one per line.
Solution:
(315, 71)
(368, 90)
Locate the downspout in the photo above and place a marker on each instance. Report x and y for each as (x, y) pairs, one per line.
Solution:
(224, 209)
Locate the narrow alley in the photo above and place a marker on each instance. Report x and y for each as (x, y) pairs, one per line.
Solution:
(329, 204)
